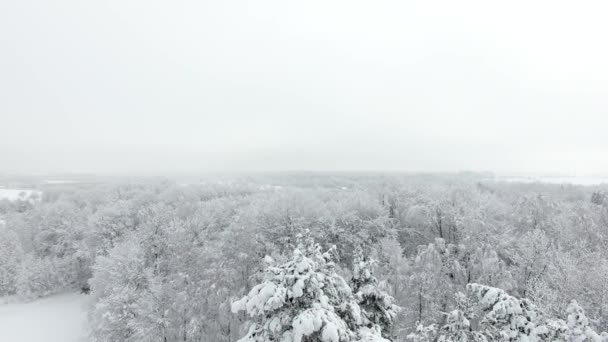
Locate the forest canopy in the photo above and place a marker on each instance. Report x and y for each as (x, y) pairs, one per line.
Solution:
(317, 257)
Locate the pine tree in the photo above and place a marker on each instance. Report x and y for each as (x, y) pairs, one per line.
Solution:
(377, 306)
(304, 300)
(506, 318)
(423, 333)
(579, 329)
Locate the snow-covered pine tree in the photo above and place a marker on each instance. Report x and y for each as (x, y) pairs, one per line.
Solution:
(576, 329)
(304, 300)
(457, 328)
(502, 317)
(458, 323)
(423, 333)
(377, 306)
(552, 330)
(578, 326)
(505, 318)
(511, 319)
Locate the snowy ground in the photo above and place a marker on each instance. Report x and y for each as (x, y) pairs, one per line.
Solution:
(60, 181)
(574, 180)
(15, 194)
(60, 318)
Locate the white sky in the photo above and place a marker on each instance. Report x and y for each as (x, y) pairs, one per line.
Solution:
(161, 86)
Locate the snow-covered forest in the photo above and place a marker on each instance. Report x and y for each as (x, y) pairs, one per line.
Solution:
(316, 257)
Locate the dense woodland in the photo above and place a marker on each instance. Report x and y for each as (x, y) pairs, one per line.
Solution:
(310, 257)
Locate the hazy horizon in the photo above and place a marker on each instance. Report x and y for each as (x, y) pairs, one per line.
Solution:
(157, 87)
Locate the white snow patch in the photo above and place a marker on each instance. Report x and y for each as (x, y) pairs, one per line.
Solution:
(60, 181)
(60, 318)
(573, 180)
(18, 194)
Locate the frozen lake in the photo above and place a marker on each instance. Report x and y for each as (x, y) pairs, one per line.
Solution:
(60, 318)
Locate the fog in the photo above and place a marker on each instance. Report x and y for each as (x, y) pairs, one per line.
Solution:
(159, 86)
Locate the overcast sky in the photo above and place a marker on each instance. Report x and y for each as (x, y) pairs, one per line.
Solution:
(161, 86)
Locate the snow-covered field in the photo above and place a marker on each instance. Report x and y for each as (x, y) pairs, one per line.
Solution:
(15, 194)
(60, 181)
(60, 318)
(574, 180)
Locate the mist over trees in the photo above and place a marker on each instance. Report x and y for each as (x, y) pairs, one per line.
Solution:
(318, 257)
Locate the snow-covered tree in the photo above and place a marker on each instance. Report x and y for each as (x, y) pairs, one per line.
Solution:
(304, 300)
(505, 317)
(39, 277)
(423, 333)
(377, 306)
(169, 259)
(484, 266)
(531, 259)
(579, 329)
(458, 326)
(11, 255)
(436, 273)
(599, 197)
(120, 281)
(110, 223)
(490, 314)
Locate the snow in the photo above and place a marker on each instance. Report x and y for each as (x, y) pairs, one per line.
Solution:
(330, 333)
(293, 301)
(574, 180)
(60, 318)
(15, 194)
(60, 181)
